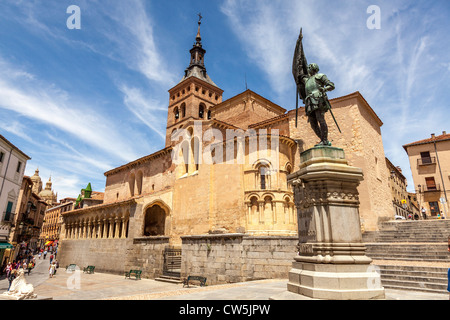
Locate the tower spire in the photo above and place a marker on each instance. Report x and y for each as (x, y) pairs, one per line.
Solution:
(196, 66)
(198, 38)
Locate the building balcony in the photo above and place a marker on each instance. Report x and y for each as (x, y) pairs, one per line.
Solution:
(426, 161)
(432, 188)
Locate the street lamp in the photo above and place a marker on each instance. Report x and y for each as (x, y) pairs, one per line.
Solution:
(418, 201)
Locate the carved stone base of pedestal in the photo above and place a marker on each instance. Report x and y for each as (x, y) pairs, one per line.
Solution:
(332, 263)
(335, 281)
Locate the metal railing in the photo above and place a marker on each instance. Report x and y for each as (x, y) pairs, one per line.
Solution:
(426, 161)
(430, 188)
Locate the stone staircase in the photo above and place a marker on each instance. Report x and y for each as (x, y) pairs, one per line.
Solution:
(172, 270)
(169, 279)
(411, 255)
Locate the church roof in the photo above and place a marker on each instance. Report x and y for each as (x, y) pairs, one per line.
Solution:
(196, 72)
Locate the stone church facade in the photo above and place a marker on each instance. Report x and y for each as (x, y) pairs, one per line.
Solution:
(216, 196)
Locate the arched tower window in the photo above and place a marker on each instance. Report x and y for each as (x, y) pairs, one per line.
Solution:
(183, 110)
(176, 113)
(201, 110)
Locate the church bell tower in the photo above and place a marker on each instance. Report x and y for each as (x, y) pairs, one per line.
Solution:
(192, 98)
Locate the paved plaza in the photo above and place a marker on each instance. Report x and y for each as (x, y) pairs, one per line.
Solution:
(102, 286)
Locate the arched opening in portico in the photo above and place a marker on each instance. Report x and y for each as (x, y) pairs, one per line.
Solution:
(155, 221)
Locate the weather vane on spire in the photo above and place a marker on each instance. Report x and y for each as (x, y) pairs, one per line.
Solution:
(200, 18)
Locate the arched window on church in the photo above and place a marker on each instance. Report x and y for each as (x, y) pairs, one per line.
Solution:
(201, 110)
(268, 208)
(131, 182)
(186, 155)
(195, 149)
(139, 178)
(183, 110)
(176, 113)
(264, 177)
(254, 206)
(209, 114)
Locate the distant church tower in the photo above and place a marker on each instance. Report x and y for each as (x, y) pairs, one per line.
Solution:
(192, 98)
(37, 182)
(47, 194)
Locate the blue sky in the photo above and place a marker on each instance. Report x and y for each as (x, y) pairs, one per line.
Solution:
(81, 102)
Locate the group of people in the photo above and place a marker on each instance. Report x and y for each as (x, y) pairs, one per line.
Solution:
(11, 269)
(54, 265)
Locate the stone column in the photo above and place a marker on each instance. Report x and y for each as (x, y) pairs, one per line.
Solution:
(99, 229)
(248, 218)
(116, 233)
(332, 263)
(105, 230)
(124, 227)
(68, 230)
(111, 226)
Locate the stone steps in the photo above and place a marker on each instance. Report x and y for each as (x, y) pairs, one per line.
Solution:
(169, 279)
(404, 246)
(427, 279)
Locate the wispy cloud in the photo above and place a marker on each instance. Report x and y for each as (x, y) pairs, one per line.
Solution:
(47, 104)
(149, 111)
(396, 68)
(134, 41)
(16, 128)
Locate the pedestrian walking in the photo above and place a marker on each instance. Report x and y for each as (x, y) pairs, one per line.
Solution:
(45, 254)
(51, 270)
(30, 266)
(8, 269)
(56, 265)
(11, 277)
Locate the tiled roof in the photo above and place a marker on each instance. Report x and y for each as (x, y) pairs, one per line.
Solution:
(442, 137)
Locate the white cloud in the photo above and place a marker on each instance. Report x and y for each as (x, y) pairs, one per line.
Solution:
(396, 68)
(134, 41)
(49, 105)
(149, 111)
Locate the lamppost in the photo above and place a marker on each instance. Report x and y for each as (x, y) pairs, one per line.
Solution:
(424, 216)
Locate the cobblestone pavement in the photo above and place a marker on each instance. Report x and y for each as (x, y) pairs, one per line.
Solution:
(102, 286)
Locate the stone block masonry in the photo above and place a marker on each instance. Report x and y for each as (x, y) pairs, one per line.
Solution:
(229, 258)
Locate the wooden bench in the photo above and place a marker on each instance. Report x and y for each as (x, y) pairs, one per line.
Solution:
(201, 279)
(135, 273)
(89, 269)
(71, 267)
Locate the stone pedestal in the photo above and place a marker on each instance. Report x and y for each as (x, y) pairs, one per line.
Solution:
(332, 263)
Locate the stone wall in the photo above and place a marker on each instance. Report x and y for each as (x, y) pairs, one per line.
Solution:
(147, 254)
(362, 142)
(229, 258)
(107, 255)
(116, 255)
